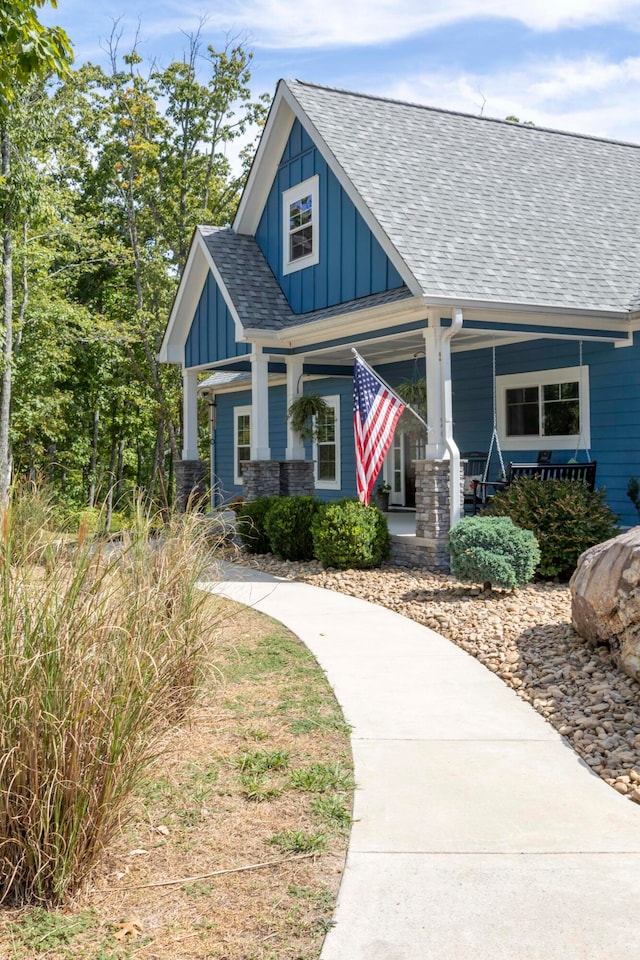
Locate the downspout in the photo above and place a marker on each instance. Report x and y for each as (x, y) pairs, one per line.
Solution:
(213, 409)
(447, 402)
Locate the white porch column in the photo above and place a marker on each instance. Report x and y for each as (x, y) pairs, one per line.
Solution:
(190, 414)
(435, 448)
(260, 449)
(295, 446)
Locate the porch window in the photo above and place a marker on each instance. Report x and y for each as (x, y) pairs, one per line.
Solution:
(326, 446)
(300, 226)
(548, 407)
(241, 440)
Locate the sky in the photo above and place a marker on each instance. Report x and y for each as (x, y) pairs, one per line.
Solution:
(566, 64)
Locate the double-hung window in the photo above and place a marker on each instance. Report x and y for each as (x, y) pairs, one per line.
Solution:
(547, 408)
(326, 446)
(300, 234)
(241, 440)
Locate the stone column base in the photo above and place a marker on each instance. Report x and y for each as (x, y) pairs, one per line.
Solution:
(191, 481)
(261, 478)
(433, 511)
(296, 478)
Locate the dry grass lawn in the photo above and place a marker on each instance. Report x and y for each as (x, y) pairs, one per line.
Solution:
(236, 843)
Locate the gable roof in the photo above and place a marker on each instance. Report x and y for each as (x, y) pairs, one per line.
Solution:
(486, 210)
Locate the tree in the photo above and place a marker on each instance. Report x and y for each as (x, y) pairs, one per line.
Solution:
(30, 51)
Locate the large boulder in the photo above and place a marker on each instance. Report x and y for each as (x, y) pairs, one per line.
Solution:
(605, 598)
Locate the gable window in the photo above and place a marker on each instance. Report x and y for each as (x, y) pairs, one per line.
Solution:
(300, 226)
(547, 407)
(326, 446)
(241, 440)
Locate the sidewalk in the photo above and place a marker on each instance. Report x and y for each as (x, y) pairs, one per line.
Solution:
(479, 834)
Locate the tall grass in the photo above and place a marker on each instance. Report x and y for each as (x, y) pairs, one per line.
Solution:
(101, 647)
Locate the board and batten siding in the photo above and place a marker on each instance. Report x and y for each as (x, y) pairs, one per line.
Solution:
(352, 263)
(614, 382)
(212, 335)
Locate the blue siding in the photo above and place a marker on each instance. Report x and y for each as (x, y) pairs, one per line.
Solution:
(352, 262)
(614, 381)
(212, 335)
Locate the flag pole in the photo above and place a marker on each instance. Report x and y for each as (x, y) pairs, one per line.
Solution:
(384, 382)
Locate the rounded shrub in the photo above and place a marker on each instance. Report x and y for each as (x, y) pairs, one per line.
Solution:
(492, 550)
(348, 535)
(566, 517)
(251, 524)
(287, 525)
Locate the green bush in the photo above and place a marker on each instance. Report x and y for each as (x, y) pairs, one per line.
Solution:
(288, 527)
(251, 524)
(493, 550)
(348, 535)
(566, 517)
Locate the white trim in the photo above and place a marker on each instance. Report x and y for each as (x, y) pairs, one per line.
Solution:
(335, 484)
(237, 413)
(309, 187)
(539, 378)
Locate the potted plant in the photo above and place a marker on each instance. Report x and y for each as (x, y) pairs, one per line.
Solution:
(304, 412)
(382, 496)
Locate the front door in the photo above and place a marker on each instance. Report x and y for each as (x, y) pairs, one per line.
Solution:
(401, 468)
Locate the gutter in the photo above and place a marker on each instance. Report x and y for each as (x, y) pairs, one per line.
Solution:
(455, 487)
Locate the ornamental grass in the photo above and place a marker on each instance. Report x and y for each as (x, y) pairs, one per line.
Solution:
(100, 650)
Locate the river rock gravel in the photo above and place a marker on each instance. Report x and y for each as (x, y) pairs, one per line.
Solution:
(526, 638)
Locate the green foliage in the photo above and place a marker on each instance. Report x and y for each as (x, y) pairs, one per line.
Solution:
(28, 48)
(252, 517)
(288, 527)
(566, 517)
(349, 535)
(302, 412)
(79, 726)
(633, 492)
(298, 841)
(493, 550)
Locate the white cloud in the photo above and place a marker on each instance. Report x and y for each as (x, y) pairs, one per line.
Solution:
(587, 95)
(285, 24)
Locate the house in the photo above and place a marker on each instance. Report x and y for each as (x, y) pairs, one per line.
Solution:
(499, 261)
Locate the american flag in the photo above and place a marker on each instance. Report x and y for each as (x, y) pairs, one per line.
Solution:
(376, 409)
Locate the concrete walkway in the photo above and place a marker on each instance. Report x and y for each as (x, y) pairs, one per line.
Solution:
(479, 834)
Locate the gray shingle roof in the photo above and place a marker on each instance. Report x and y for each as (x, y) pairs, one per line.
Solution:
(255, 292)
(487, 209)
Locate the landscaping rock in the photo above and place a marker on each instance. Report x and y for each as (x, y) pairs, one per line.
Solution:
(605, 598)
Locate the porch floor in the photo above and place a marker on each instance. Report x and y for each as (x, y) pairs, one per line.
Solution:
(401, 523)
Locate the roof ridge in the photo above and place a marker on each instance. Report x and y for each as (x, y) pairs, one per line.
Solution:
(535, 128)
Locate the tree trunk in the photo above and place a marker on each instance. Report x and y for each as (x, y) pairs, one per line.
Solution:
(94, 459)
(7, 346)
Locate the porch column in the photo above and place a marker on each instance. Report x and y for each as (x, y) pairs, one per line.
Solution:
(260, 449)
(189, 414)
(295, 446)
(433, 340)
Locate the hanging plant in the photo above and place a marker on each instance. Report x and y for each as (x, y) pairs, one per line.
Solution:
(414, 394)
(302, 412)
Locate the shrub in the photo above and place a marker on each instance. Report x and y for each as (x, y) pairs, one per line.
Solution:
(349, 535)
(100, 650)
(251, 519)
(491, 550)
(566, 517)
(288, 527)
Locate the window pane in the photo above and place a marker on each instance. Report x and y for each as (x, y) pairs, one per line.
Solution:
(561, 410)
(301, 243)
(244, 430)
(522, 412)
(326, 427)
(570, 391)
(300, 213)
(327, 462)
(552, 391)
(243, 456)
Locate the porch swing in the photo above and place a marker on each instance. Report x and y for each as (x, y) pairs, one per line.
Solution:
(543, 468)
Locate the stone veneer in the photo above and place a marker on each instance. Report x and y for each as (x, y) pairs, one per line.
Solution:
(191, 481)
(260, 478)
(296, 478)
(433, 511)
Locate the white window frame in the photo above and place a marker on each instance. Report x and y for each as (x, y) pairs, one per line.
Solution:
(310, 187)
(237, 413)
(540, 379)
(335, 484)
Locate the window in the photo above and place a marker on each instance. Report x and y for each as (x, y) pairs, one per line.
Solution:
(326, 446)
(548, 408)
(300, 226)
(241, 440)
